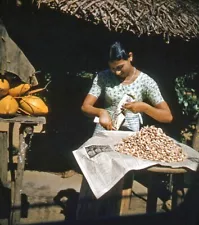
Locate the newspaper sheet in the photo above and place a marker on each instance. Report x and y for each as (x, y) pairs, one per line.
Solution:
(103, 167)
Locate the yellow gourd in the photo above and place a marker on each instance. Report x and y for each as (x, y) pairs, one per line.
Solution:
(8, 105)
(33, 105)
(4, 87)
(19, 90)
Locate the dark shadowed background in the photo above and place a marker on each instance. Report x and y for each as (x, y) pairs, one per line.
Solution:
(64, 46)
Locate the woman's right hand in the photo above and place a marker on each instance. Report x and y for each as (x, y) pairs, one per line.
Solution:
(105, 120)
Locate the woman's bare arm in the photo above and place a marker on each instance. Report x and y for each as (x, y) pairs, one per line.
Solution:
(89, 109)
(88, 106)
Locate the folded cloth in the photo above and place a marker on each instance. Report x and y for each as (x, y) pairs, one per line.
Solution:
(13, 60)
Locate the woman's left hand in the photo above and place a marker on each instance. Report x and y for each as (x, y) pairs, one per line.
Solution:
(135, 107)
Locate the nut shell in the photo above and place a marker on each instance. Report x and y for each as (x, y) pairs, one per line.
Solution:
(19, 90)
(33, 105)
(4, 87)
(8, 105)
(151, 143)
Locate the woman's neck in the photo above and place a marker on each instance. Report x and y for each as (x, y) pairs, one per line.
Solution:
(131, 77)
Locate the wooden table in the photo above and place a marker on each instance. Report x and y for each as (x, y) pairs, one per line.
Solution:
(26, 132)
(116, 202)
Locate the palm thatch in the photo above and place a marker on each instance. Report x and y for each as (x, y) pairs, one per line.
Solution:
(169, 18)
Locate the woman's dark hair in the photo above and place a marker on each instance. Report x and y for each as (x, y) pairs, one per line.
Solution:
(117, 52)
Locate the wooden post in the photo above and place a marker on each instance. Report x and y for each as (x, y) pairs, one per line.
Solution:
(11, 164)
(16, 212)
(3, 173)
(3, 157)
(195, 142)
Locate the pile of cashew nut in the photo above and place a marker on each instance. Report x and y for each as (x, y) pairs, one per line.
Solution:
(151, 143)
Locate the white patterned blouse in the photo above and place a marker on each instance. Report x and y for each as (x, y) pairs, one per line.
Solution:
(142, 88)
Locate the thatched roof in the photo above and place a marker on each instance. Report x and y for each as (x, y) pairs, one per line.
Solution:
(169, 18)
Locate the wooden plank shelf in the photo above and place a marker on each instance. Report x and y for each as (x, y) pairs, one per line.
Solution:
(24, 119)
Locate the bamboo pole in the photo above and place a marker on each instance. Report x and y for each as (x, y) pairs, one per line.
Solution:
(195, 142)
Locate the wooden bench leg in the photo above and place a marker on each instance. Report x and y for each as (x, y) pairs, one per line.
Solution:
(178, 190)
(3, 177)
(3, 157)
(16, 209)
(126, 193)
(126, 200)
(152, 197)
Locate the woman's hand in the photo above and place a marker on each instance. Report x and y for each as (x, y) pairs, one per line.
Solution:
(159, 112)
(105, 120)
(135, 107)
(104, 117)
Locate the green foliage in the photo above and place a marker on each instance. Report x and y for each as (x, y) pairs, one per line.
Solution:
(189, 101)
(187, 97)
(187, 133)
(47, 80)
(48, 77)
(86, 75)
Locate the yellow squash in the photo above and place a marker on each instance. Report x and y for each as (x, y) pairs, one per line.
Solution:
(33, 105)
(19, 90)
(8, 105)
(4, 87)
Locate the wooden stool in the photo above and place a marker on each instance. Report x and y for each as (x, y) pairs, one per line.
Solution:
(26, 131)
(177, 179)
